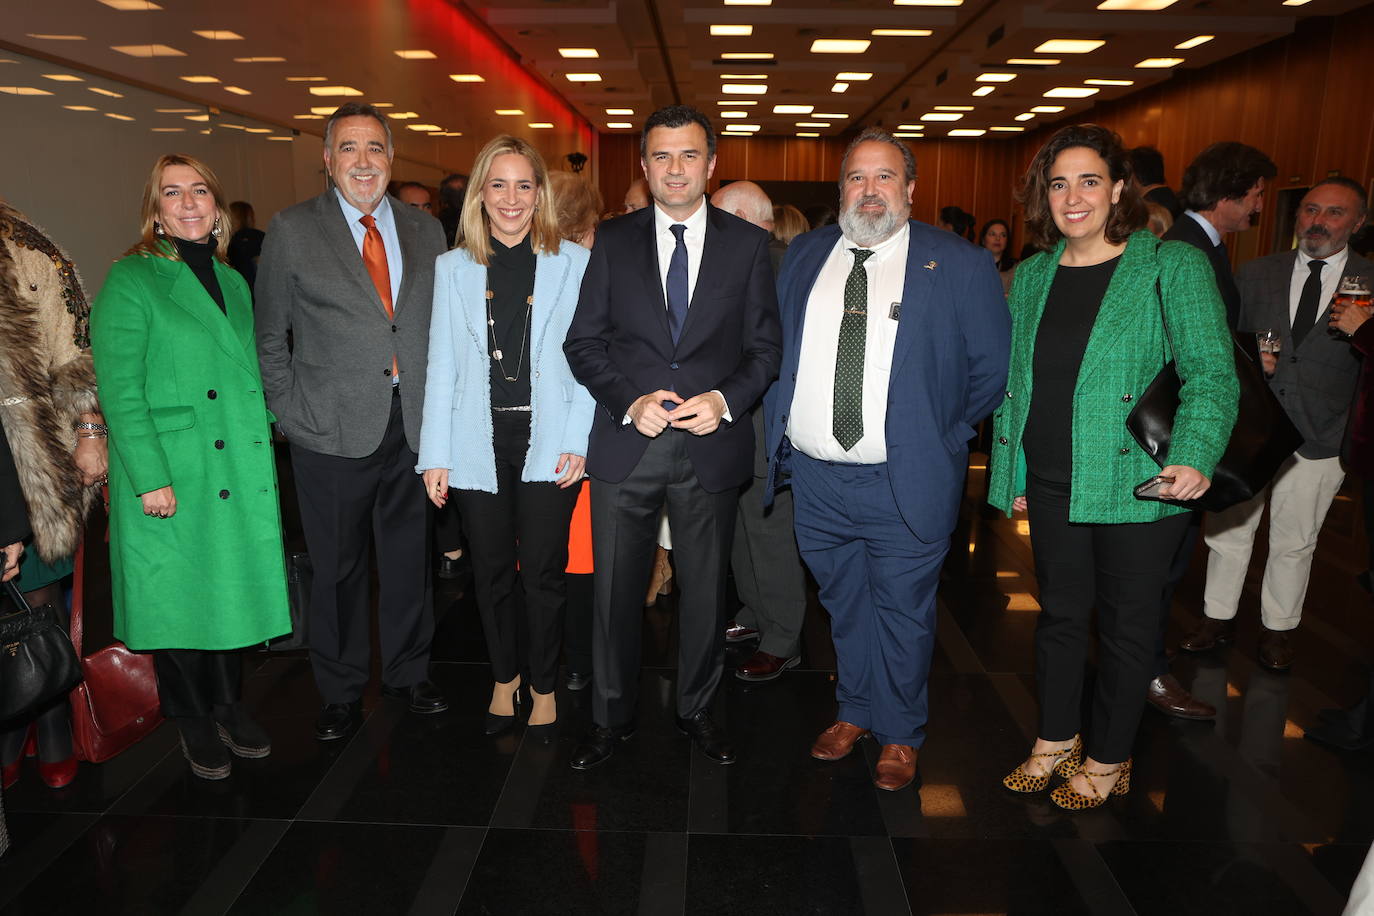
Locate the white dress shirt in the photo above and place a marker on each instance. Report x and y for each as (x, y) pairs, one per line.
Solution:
(810, 421)
(386, 225)
(1331, 281)
(693, 239)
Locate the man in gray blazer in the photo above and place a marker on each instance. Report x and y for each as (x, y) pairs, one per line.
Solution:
(351, 278)
(1314, 376)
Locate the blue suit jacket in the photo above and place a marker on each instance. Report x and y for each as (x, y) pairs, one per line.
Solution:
(949, 367)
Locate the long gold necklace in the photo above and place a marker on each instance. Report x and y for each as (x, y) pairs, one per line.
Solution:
(496, 353)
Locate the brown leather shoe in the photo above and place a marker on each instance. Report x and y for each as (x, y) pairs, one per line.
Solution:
(1171, 698)
(738, 632)
(1275, 649)
(837, 741)
(1209, 634)
(896, 767)
(764, 667)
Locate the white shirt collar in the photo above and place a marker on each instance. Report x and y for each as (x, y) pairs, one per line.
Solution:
(1337, 259)
(696, 223)
(1206, 225)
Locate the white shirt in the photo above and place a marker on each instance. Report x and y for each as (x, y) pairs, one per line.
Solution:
(1331, 281)
(693, 239)
(1206, 225)
(810, 422)
(386, 225)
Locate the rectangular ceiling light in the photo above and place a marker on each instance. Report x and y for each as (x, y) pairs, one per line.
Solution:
(839, 87)
(994, 77)
(176, 110)
(228, 126)
(510, 111)
(732, 31)
(906, 135)
(578, 52)
(967, 132)
(1110, 82)
(118, 117)
(901, 33)
(217, 34)
(382, 104)
(734, 114)
(106, 92)
(416, 54)
(744, 89)
(466, 78)
(952, 108)
(23, 90)
(743, 128)
(198, 117)
(168, 130)
(1069, 46)
(911, 127)
(1071, 92)
(1008, 130)
(737, 102)
(424, 128)
(306, 79)
(851, 77)
(201, 79)
(620, 125)
(941, 116)
(620, 111)
(257, 130)
(1140, 5)
(324, 110)
(287, 139)
(78, 107)
(400, 115)
(927, 2)
(1032, 61)
(813, 124)
(1047, 109)
(541, 125)
(63, 78)
(131, 6)
(1159, 63)
(806, 134)
(334, 90)
(747, 55)
(833, 116)
(1285, 3)
(309, 117)
(793, 109)
(1193, 42)
(744, 76)
(584, 77)
(237, 90)
(840, 45)
(984, 90)
(748, 2)
(148, 50)
(47, 36)
(1024, 116)
(260, 60)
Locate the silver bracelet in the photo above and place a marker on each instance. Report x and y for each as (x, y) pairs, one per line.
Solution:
(93, 427)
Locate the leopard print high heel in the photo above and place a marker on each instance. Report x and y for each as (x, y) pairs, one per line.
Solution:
(1068, 798)
(1069, 762)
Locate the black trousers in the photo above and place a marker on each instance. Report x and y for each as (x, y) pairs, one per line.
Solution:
(191, 682)
(345, 504)
(1178, 568)
(1120, 569)
(624, 535)
(523, 522)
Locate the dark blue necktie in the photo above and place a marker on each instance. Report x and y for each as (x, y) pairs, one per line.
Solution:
(677, 284)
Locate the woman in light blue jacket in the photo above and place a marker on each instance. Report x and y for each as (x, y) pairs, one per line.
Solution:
(505, 423)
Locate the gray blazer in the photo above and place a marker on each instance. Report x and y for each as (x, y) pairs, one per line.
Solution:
(331, 390)
(1315, 382)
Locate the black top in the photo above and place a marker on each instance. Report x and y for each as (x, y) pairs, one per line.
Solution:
(200, 257)
(1070, 312)
(245, 246)
(510, 278)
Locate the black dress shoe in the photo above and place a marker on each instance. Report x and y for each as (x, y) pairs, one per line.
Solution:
(596, 748)
(338, 720)
(450, 568)
(424, 698)
(577, 680)
(709, 737)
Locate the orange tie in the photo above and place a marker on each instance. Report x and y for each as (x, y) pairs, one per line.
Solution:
(374, 258)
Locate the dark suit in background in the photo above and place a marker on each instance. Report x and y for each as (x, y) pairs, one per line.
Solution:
(1186, 229)
(620, 347)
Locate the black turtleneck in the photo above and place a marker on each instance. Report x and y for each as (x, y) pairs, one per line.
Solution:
(200, 257)
(510, 278)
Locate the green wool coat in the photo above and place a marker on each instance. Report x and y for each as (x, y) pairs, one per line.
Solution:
(182, 396)
(1125, 351)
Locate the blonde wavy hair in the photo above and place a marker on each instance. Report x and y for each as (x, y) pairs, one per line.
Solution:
(474, 229)
(160, 246)
(578, 205)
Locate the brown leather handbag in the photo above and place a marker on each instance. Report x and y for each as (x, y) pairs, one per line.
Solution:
(117, 703)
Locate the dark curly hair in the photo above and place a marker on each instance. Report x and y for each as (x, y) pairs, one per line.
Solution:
(1127, 215)
(1223, 171)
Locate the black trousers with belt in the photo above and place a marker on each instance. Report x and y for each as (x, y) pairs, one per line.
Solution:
(1120, 570)
(345, 504)
(525, 523)
(624, 535)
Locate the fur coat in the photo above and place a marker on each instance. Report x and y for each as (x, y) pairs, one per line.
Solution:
(46, 380)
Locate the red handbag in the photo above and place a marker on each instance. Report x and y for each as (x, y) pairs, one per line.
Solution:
(117, 703)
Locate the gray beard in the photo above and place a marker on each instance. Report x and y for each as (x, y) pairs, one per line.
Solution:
(1318, 248)
(867, 230)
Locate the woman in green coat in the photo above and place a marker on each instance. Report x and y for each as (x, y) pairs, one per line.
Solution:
(195, 526)
(1088, 336)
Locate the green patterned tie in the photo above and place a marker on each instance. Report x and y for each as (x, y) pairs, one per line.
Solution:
(848, 422)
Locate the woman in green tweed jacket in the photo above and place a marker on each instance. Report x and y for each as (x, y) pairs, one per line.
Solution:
(1087, 338)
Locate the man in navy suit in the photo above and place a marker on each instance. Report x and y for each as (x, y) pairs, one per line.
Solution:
(895, 344)
(676, 336)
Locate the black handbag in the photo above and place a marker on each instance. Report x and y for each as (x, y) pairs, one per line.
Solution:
(1262, 439)
(300, 577)
(37, 661)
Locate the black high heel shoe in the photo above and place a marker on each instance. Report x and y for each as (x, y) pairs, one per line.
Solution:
(496, 725)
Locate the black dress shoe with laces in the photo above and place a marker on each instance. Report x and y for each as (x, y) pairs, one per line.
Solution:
(709, 737)
(424, 698)
(598, 746)
(338, 720)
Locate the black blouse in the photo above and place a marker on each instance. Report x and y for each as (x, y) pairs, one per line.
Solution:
(200, 257)
(1062, 338)
(510, 279)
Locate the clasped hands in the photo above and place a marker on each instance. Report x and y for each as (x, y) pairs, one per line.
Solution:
(699, 415)
(570, 470)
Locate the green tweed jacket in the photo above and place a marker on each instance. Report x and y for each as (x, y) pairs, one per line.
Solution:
(1125, 351)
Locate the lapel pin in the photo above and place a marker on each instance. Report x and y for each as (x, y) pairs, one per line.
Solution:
(931, 265)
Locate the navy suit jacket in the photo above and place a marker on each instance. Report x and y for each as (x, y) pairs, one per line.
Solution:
(619, 345)
(1186, 229)
(949, 367)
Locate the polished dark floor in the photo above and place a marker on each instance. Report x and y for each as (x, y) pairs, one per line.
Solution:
(425, 815)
